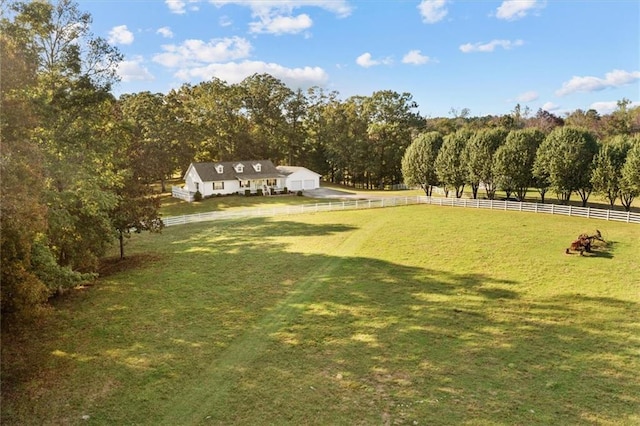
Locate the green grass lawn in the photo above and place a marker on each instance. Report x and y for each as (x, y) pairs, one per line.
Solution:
(408, 315)
(175, 207)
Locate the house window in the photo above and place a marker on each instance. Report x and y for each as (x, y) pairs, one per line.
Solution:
(239, 168)
(197, 186)
(218, 185)
(220, 168)
(257, 167)
(245, 183)
(272, 182)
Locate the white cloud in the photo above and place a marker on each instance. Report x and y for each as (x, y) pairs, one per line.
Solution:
(516, 9)
(197, 52)
(550, 106)
(180, 6)
(165, 32)
(225, 21)
(611, 79)
(120, 35)
(276, 16)
(282, 24)
(491, 46)
(607, 107)
(527, 96)
(283, 7)
(273, 16)
(134, 70)
(432, 11)
(415, 57)
(365, 60)
(235, 72)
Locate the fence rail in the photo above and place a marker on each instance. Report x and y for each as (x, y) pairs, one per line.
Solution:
(181, 193)
(585, 212)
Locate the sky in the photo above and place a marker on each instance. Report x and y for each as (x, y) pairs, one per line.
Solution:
(484, 56)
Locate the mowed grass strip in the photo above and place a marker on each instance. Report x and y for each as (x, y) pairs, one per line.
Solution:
(387, 316)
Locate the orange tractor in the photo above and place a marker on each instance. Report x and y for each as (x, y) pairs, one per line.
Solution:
(584, 243)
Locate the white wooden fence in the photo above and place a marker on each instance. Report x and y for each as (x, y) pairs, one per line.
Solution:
(181, 193)
(585, 212)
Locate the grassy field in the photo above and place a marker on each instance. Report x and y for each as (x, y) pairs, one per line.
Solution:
(406, 315)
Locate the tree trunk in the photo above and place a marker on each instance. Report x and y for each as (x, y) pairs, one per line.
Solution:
(542, 193)
(474, 190)
(584, 195)
(121, 238)
(565, 197)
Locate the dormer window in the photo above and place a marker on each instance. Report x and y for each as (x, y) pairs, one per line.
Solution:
(220, 168)
(239, 168)
(257, 167)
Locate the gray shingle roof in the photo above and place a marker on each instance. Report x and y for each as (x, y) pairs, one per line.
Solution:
(208, 171)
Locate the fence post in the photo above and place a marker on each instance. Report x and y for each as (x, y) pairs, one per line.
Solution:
(570, 210)
(608, 213)
(553, 209)
(628, 216)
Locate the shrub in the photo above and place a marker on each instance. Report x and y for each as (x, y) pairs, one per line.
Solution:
(285, 190)
(247, 192)
(299, 193)
(197, 196)
(259, 191)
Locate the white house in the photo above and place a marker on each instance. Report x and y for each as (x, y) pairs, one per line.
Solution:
(243, 177)
(300, 178)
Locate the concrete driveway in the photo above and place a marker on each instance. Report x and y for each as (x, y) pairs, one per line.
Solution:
(330, 193)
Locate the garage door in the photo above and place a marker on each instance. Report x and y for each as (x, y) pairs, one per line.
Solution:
(309, 184)
(296, 185)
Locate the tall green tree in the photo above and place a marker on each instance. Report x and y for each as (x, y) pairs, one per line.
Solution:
(347, 141)
(450, 165)
(183, 132)
(22, 213)
(566, 155)
(150, 123)
(513, 166)
(391, 118)
(75, 71)
(607, 167)
(295, 115)
(317, 129)
(419, 161)
(265, 100)
(29, 273)
(630, 177)
(220, 129)
(479, 158)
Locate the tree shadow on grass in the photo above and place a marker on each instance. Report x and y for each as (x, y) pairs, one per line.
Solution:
(241, 330)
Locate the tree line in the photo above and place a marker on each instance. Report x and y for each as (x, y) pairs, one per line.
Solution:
(78, 164)
(567, 160)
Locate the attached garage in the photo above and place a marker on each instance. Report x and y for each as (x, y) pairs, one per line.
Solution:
(300, 178)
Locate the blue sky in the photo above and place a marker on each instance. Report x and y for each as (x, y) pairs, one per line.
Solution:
(487, 56)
